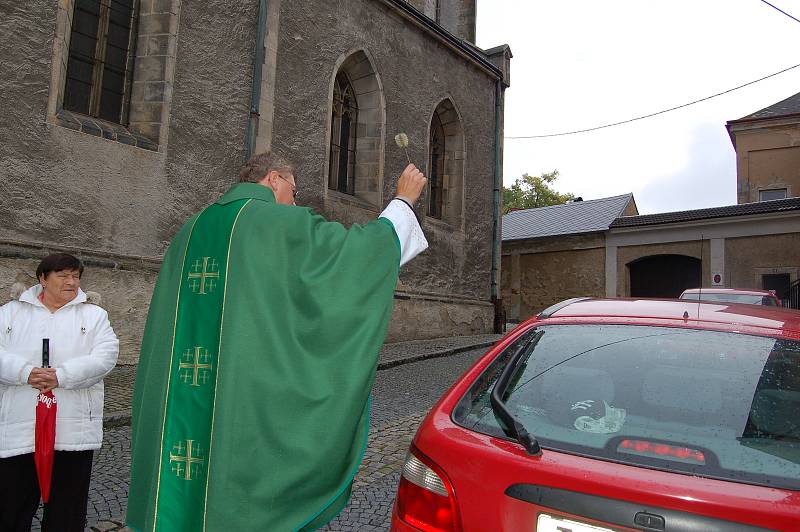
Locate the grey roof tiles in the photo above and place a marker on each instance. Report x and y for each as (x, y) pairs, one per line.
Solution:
(759, 207)
(789, 106)
(570, 218)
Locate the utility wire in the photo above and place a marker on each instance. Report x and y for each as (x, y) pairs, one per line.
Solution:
(651, 114)
(781, 10)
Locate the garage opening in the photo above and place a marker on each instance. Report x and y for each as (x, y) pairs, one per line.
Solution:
(664, 275)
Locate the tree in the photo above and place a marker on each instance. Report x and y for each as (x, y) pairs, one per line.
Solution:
(531, 191)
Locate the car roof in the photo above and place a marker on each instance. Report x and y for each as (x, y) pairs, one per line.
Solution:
(732, 317)
(748, 291)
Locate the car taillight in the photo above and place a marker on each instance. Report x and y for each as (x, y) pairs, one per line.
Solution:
(425, 497)
(662, 450)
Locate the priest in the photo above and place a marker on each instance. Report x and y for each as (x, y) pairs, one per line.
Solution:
(251, 403)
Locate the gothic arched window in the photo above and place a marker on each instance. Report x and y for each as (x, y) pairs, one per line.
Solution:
(344, 123)
(437, 151)
(446, 165)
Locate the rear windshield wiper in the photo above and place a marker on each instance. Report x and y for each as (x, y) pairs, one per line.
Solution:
(514, 427)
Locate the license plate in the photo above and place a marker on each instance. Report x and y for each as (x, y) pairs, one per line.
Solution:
(549, 523)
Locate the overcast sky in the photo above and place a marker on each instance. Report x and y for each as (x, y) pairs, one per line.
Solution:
(583, 63)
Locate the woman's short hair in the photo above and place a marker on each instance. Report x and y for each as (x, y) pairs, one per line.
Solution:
(58, 262)
(261, 164)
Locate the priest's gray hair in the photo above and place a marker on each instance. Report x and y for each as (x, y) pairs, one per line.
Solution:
(261, 164)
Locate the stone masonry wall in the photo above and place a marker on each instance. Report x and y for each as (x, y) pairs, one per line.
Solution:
(540, 272)
(65, 189)
(416, 73)
(61, 188)
(419, 318)
(547, 278)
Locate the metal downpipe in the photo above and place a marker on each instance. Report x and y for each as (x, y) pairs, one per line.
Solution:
(497, 302)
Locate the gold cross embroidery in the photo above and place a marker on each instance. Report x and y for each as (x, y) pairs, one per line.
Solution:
(204, 275)
(198, 365)
(183, 463)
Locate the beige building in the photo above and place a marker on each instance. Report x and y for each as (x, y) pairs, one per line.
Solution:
(753, 245)
(767, 145)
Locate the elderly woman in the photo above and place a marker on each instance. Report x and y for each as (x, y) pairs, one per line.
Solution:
(83, 350)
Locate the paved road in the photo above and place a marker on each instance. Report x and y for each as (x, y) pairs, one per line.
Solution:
(402, 395)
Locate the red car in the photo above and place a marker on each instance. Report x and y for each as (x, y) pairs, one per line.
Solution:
(733, 295)
(617, 415)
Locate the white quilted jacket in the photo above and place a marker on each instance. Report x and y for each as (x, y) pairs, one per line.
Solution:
(83, 350)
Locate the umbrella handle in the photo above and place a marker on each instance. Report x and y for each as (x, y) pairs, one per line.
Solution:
(45, 352)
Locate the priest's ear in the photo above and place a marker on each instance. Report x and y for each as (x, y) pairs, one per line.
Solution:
(270, 180)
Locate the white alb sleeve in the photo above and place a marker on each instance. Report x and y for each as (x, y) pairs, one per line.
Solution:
(409, 233)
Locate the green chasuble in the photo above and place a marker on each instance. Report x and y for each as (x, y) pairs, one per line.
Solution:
(251, 404)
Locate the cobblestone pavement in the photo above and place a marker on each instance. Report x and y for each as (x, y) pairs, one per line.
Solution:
(108, 492)
(119, 390)
(402, 396)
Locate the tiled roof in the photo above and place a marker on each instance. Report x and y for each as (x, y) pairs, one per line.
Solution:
(789, 106)
(759, 207)
(570, 218)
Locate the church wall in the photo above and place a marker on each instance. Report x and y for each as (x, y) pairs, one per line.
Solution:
(68, 188)
(117, 206)
(416, 73)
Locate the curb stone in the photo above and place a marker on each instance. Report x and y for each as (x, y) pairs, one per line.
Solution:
(109, 525)
(433, 354)
(117, 419)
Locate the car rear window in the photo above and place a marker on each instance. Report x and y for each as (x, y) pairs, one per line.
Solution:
(715, 404)
(750, 299)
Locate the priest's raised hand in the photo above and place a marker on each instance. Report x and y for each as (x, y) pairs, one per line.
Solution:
(251, 402)
(410, 184)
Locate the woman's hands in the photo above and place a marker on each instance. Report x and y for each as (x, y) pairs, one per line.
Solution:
(44, 379)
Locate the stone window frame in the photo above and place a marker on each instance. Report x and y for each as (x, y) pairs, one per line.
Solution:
(359, 66)
(155, 31)
(455, 154)
(773, 188)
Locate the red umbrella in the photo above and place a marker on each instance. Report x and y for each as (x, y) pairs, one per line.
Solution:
(45, 431)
